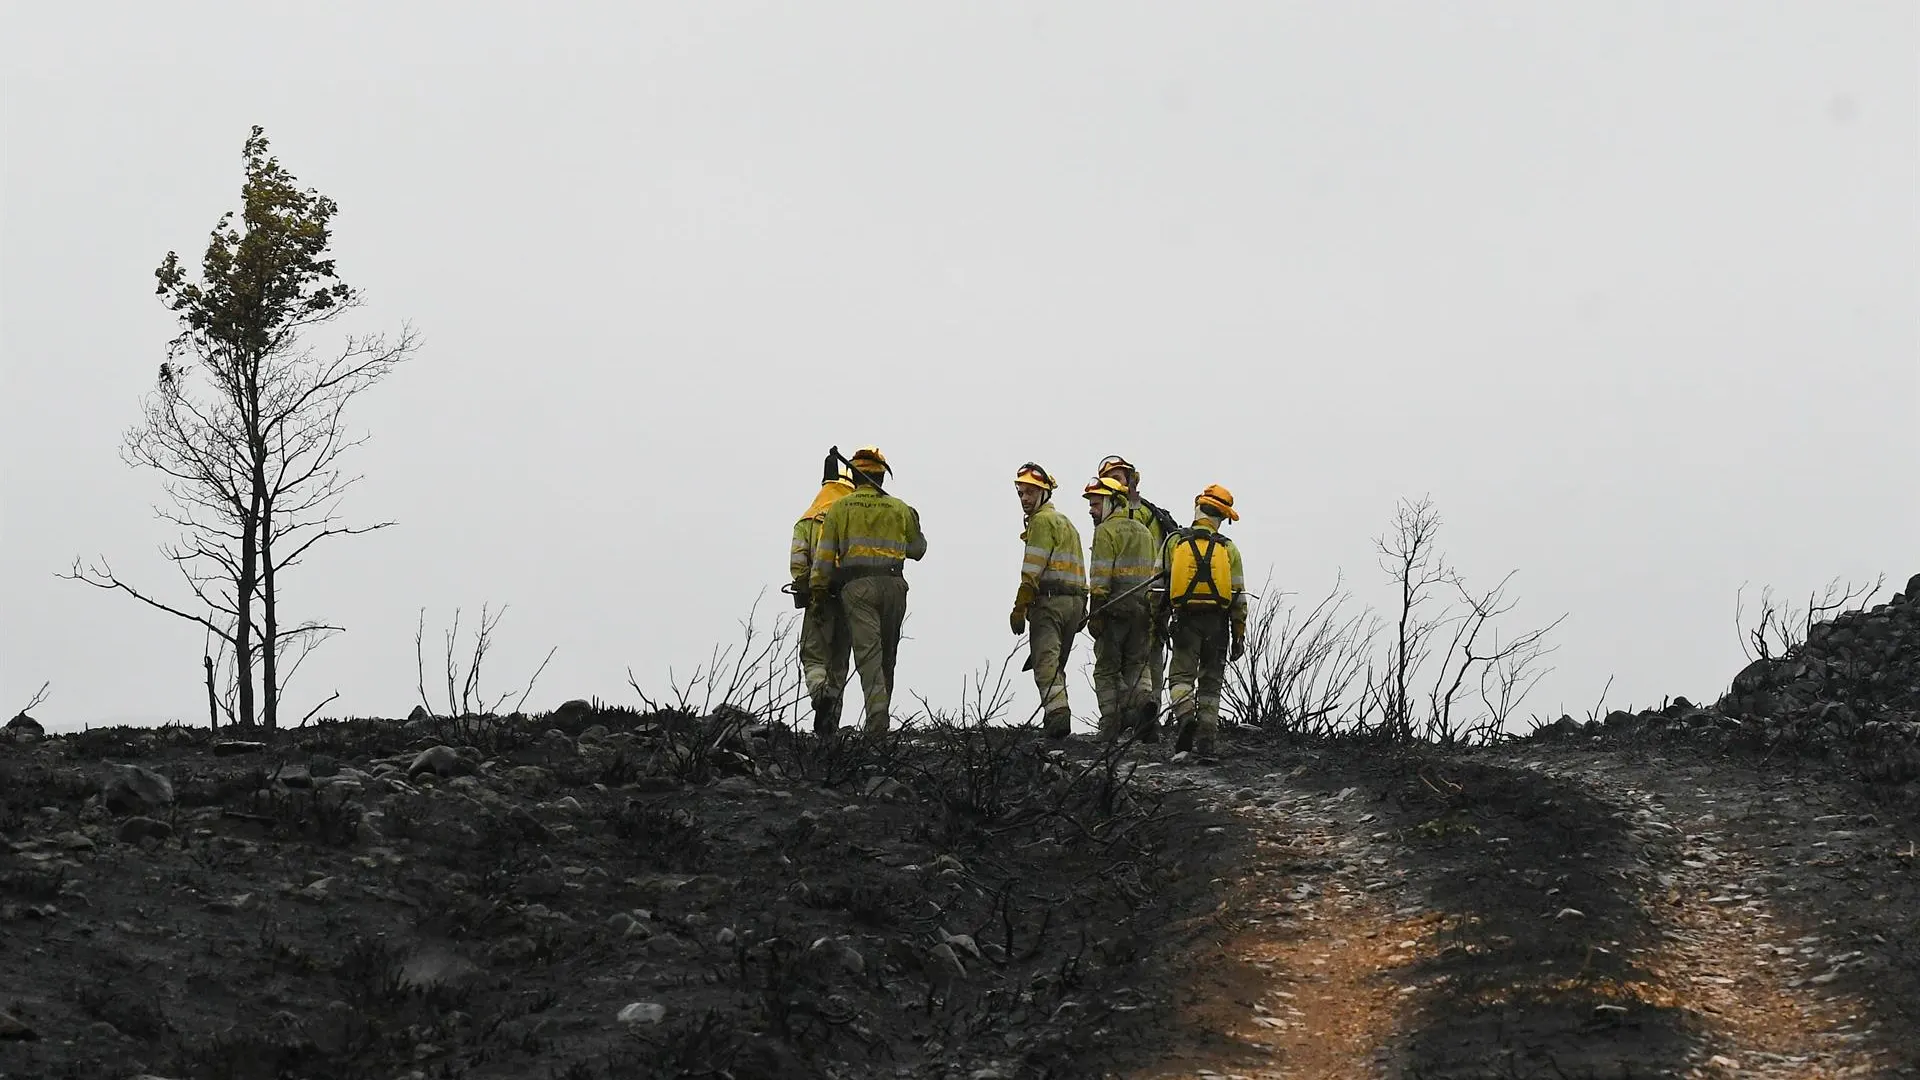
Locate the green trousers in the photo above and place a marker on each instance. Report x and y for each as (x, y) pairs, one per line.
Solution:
(826, 651)
(1199, 667)
(1121, 655)
(1052, 622)
(874, 608)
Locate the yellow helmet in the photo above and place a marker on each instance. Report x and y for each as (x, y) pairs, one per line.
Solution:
(1113, 463)
(1035, 476)
(1218, 500)
(869, 459)
(1105, 485)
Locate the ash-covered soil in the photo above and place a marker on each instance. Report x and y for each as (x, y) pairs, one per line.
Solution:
(1691, 891)
(595, 894)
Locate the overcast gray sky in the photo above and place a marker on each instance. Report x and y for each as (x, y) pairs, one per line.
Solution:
(1629, 288)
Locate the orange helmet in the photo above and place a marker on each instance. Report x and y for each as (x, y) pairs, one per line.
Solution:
(869, 460)
(1218, 501)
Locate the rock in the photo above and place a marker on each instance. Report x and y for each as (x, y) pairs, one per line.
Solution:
(419, 715)
(1570, 913)
(12, 1027)
(946, 961)
(511, 950)
(440, 760)
(136, 829)
(1754, 677)
(236, 747)
(961, 943)
(75, 841)
(131, 789)
(655, 785)
(573, 708)
(840, 955)
(295, 776)
(885, 787)
(643, 1014)
(24, 725)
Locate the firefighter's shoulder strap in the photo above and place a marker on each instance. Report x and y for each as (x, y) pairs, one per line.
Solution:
(1167, 523)
(1199, 570)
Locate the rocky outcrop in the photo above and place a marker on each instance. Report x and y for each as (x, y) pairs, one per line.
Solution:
(1850, 690)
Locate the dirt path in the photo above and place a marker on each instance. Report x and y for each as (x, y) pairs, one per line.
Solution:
(1552, 912)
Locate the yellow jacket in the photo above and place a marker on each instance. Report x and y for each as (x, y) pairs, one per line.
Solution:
(806, 531)
(1053, 564)
(866, 532)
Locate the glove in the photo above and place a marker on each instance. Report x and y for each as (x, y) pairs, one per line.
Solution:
(1163, 624)
(820, 596)
(1239, 648)
(1080, 623)
(1021, 598)
(1095, 623)
(801, 594)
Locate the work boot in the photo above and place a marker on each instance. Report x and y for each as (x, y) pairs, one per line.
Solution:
(1058, 724)
(1188, 728)
(826, 714)
(1146, 725)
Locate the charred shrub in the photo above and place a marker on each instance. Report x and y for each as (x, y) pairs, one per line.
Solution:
(668, 838)
(130, 1011)
(242, 1053)
(97, 744)
(707, 1046)
(358, 738)
(308, 815)
(32, 885)
(226, 788)
(869, 900)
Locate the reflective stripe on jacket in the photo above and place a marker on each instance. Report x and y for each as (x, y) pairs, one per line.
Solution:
(865, 532)
(1124, 555)
(806, 531)
(1053, 563)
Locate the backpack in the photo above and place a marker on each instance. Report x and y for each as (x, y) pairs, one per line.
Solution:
(1165, 521)
(1199, 570)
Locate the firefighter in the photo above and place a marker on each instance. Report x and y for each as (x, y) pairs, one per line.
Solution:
(1050, 605)
(1205, 609)
(1161, 525)
(825, 645)
(1120, 616)
(865, 540)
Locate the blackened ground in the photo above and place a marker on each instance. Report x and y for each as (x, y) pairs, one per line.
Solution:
(598, 895)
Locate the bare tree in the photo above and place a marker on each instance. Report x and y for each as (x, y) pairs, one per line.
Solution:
(39, 698)
(1447, 671)
(464, 695)
(1779, 628)
(1437, 606)
(1300, 667)
(249, 440)
(1407, 554)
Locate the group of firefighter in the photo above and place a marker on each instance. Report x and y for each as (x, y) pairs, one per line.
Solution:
(1149, 587)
